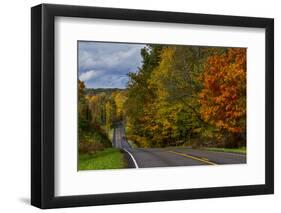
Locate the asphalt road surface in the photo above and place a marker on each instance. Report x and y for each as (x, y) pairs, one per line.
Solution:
(172, 156)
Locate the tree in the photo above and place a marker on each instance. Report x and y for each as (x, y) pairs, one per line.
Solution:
(119, 99)
(223, 97)
(175, 81)
(110, 112)
(84, 115)
(139, 95)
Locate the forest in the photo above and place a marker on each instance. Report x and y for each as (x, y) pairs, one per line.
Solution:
(189, 96)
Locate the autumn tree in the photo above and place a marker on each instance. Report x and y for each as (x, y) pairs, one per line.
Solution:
(119, 99)
(223, 97)
(84, 115)
(140, 96)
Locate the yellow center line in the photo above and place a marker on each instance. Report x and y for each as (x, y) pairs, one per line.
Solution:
(204, 160)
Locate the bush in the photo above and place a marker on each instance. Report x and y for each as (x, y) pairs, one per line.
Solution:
(93, 141)
(195, 143)
(90, 147)
(140, 141)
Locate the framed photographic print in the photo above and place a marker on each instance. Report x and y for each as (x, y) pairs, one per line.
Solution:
(139, 106)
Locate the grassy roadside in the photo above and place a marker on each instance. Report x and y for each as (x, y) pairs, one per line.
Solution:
(241, 150)
(109, 158)
(133, 145)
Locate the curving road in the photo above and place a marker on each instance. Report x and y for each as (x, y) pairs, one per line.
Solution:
(172, 156)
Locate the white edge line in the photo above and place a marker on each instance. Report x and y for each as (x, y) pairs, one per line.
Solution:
(134, 160)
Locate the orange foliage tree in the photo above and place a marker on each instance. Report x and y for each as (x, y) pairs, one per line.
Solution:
(223, 97)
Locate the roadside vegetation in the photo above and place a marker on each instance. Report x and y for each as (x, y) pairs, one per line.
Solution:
(188, 96)
(241, 150)
(109, 158)
(96, 119)
(132, 144)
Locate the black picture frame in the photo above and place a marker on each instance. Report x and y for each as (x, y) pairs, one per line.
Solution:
(43, 102)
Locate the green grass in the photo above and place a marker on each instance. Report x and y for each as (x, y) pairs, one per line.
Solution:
(109, 158)
(241, 150)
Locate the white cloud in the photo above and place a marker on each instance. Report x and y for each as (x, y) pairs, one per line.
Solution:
(89, 75)
(98, 55)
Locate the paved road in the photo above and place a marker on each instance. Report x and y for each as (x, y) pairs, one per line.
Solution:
(172, 156)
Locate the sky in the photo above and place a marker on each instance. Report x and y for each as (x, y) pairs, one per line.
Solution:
(105, 65)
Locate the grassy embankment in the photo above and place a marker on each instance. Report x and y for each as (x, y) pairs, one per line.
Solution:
(109, 158)
(96, 152)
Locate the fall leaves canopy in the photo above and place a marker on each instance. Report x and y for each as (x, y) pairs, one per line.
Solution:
(222, 99)
(187, 95)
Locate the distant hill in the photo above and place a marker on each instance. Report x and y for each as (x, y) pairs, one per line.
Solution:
(108, 91)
